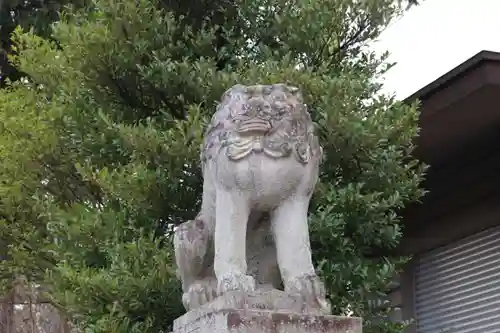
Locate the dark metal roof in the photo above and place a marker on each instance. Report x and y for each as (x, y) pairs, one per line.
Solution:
(454, 74)
(460, 122)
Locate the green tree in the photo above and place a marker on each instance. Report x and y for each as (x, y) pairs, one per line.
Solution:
(29, 14)
(100, 147)
(40, 14)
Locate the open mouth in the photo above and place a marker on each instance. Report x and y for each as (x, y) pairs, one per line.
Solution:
(253, 126)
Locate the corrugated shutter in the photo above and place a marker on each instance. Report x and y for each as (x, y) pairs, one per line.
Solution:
(457, 287)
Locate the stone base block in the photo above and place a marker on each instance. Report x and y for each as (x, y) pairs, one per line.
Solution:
(263, 321)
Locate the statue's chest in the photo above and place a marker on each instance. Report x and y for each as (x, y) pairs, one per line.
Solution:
(265, 181)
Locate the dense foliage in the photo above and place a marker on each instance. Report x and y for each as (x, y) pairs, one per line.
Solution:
(28, 14)
(100, 146)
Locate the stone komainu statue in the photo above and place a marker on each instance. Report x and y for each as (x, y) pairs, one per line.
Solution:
(260, 165)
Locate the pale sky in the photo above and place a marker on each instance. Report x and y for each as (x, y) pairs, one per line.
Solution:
(436, 36)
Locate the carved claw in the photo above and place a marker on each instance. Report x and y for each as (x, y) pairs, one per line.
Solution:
(236, 282)
(199, 293)
(311, 289)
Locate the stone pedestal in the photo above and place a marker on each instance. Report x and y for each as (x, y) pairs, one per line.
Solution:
(257, 314)
(255, 321)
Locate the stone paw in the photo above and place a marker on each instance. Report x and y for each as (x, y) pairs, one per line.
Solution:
(199, 293)
(311, 289)
(236, 282)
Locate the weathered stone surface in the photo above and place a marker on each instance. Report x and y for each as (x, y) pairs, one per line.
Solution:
(264, 311)
(260, 162)
(271, 299)
(263, 321)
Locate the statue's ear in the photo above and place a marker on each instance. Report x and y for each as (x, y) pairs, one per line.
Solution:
(297, 93)
(237, 88)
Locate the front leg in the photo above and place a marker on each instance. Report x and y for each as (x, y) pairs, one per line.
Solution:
(291, 234)
(232, 211)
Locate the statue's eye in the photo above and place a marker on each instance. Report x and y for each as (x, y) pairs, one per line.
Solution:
(282, 109)
(240, 109)
(265, 109)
